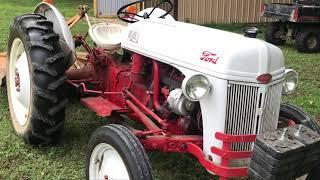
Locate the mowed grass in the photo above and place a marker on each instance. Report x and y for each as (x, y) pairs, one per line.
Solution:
(66, 160)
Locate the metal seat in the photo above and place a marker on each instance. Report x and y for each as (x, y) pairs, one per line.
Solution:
(107, 36)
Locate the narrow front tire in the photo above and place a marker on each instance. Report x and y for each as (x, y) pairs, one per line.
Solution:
(115, 153)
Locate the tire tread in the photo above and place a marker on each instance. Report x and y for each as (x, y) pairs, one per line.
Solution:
(124, 137)
(270, 32)
(54, 85)
(302, 36)
(47, 77)
(57, 108)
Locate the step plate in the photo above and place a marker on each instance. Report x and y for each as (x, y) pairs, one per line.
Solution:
(101, 106)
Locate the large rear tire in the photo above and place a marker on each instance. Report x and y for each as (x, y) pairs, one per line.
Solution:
(115, 153)
(35, 77)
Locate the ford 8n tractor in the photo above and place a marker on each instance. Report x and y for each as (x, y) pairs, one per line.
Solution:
(194, 89)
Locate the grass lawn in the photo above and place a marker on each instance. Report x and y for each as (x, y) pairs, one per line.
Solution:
(66, 160)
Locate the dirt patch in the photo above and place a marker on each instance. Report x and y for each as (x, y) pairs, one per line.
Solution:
(9, 162)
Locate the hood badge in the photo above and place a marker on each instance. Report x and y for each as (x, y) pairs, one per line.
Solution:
(209, 57)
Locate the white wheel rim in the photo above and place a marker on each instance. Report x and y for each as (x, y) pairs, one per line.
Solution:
(107, 164)
(19, 82)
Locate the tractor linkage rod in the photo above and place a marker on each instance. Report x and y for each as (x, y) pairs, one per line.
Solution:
(84, 88)
(144, 119)
(146, 110)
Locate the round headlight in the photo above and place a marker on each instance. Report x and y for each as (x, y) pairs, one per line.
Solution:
(196, 87)
(290, 81)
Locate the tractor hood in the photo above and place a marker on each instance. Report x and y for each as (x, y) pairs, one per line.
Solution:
(199, 49)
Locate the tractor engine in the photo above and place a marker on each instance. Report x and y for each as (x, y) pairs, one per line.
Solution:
(176, 106)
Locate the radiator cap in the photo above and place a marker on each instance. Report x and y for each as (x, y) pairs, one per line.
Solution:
(251, 32)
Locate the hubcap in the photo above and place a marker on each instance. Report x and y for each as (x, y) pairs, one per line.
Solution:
(107, 164)
(19, 82)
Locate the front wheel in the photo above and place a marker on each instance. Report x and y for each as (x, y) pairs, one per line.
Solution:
(115, 153)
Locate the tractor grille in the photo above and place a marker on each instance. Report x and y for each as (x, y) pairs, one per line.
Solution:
(271, 108)
(251, 110)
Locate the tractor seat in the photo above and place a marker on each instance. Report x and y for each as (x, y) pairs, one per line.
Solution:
(107, 36)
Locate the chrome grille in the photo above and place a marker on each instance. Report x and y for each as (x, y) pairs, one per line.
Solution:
(271, 108)
(250, 110)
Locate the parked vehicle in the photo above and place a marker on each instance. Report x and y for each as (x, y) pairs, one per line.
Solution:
(308, 2)
(192, 89)
(299, 21)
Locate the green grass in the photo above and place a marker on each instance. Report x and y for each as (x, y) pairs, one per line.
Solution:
(66, 160)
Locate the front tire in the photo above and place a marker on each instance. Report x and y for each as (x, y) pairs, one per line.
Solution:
(35, 76)
(115, 153)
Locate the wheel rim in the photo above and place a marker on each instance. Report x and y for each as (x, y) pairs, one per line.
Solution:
(312, 42)
(107, 164)
(19, 82)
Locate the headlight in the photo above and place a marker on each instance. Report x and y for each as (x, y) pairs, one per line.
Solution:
(290, 81)
(196, 87)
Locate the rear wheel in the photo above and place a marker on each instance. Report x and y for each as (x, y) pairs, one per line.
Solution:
(308, 40)
(35, 78)
(115, 153)
(275, 33)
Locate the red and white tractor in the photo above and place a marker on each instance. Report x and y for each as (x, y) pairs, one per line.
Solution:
(194, 89)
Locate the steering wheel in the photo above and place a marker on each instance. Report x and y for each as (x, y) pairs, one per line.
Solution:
(129, 17)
